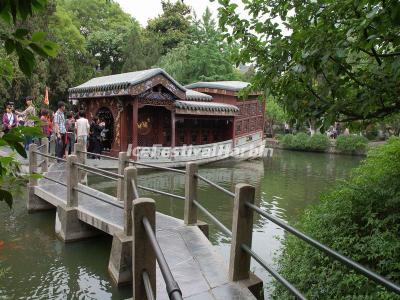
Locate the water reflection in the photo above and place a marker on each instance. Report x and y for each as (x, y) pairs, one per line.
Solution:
(43, 267)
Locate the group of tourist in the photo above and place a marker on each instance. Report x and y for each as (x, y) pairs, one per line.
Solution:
(64, 128)
(334, 131)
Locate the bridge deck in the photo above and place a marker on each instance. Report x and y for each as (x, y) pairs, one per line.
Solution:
(198, 269)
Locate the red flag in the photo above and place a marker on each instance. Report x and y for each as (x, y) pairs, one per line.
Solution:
(46, 97)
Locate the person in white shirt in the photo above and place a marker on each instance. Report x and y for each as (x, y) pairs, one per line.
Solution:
(82, 128)
(9, 118)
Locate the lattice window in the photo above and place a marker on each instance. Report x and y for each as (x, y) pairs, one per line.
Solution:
(253, 109)
(239, 127)
(253, 124)
(260, 122)
(245, 125)
(241, 109)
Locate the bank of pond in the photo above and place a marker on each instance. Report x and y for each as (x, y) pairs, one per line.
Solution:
(343, 144)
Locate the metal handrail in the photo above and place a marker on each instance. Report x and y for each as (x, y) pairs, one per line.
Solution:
(221, 226)
(97, 154)
(98, 198)
(156, 167)
(343, 259)
(56, 181)
(173, 290)
(50, 156)
(160, 192)
(215, 185)
(99, 174)
(93, 169)
(134, 188)
(147, 286)
(274, 274)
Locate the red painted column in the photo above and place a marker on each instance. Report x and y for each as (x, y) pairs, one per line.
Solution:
(233, 131)
(173, 133)
(123, 133)
(135, 119)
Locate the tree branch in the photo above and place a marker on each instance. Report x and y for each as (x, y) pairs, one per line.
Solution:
(379, 113)
(381, 55)
(351, 75)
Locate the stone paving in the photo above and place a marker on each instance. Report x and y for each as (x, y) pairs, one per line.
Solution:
(194, 263)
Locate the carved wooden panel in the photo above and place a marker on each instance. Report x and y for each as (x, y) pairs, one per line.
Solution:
(156, 80)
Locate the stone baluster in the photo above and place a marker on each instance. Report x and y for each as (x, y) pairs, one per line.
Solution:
(190, 209)
(45, 150)
(143, 256)
(122, 164)
(72, 181)
(130, 174)
(33, 164)
(242, 231)
(79, 148)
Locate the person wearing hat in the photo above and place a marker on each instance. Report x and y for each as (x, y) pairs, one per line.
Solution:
(27, 115)
(9, 118)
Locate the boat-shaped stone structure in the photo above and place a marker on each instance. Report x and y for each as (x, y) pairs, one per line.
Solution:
(159, 121)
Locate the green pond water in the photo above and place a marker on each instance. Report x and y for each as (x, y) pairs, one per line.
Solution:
(39, 266)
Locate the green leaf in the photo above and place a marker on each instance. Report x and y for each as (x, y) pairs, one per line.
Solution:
(50, 48)
(5, 13)
(38, 36)
(20, 149)
(26, 62)
(10, 46)
(35, 176)
(20, 33)
(7, 197)
(38, 49)
(5, 160)
(24, 8)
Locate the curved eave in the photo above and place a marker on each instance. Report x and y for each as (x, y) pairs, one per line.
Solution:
(192, 95)
(206, 108)
(221, 87)
(92, 88)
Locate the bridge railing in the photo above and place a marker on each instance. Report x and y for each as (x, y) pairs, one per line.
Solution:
(242, 223)
(242, 230)
(145, 252)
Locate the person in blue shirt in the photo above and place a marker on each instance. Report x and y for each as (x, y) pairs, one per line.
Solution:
(60, 130)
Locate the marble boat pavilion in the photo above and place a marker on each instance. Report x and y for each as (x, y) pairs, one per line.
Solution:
(147, 108)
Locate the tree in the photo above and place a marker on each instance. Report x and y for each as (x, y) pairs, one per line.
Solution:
(95, 15)
(205, 56)
(274, 114)
(105, 28)
(322, 60)
(73, 63)
(18, 42)
(172, 26)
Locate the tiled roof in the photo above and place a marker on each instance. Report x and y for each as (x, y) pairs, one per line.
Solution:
(119, 81)
(234, 86)
(192, 95)
(206, 106)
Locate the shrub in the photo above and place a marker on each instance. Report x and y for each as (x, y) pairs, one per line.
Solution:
(351, 144)
(304, 142)
(360, 218)
(287, 141)
(319, 142)
(300, 141)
